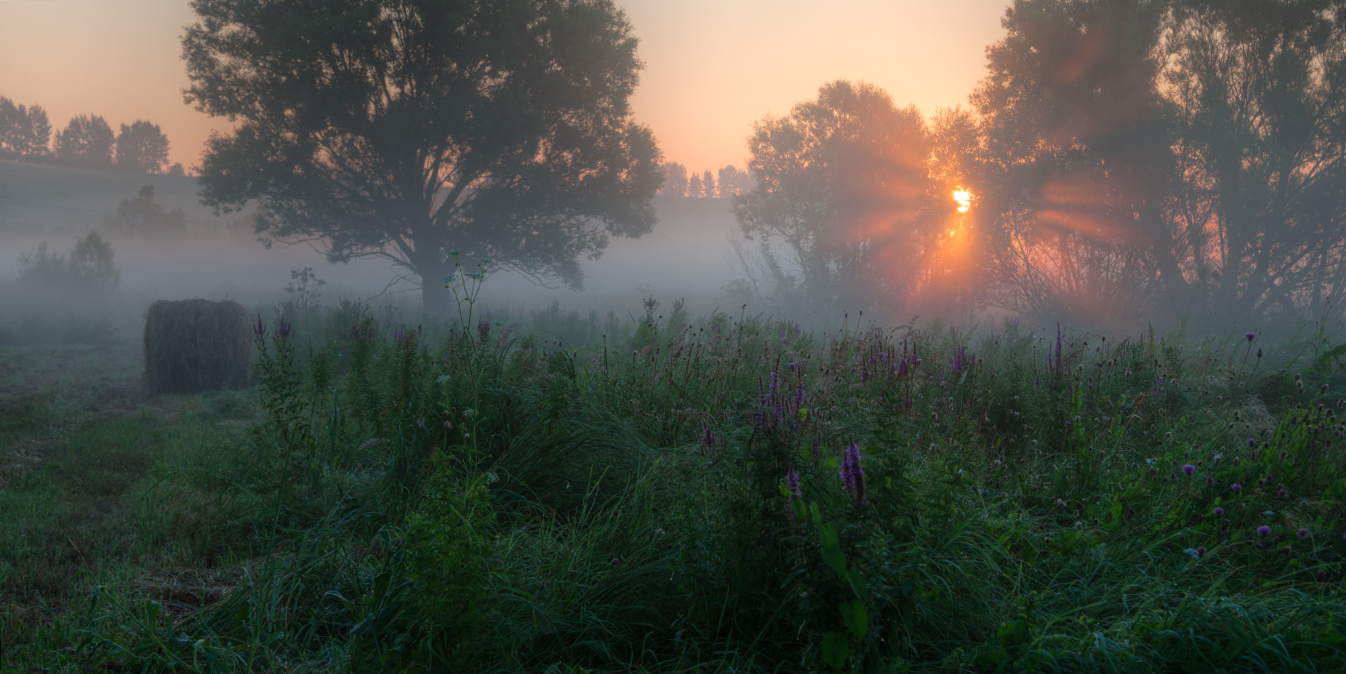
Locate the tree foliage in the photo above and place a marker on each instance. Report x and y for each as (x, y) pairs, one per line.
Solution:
(142, 147)
(24, 131)
(842, 183)
(86, 141)
(408, 128)
(1151, 157)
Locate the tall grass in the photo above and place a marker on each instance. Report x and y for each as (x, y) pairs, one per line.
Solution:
(669, 494)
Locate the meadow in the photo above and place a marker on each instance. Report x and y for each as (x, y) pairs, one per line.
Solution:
(558, 491)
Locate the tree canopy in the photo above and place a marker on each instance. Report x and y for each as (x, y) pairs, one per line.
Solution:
(408, 128)
(142, 147)
(86, 141)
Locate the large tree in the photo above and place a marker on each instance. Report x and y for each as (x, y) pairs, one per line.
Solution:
(1155, 158)
(406, 129)
(843, 184)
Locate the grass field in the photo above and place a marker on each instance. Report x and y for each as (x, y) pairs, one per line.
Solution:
(718, 493)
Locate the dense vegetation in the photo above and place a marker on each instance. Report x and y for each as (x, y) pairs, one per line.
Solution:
(673, 495)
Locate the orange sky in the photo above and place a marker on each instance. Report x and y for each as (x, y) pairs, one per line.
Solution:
(712, 66)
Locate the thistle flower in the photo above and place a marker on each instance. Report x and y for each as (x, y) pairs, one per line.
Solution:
(1201, 551)
(1263, 530)
(1252, 442)
(1219, 512)
(852, 475)
(1282, 493)
(1303, 532)
(1251, 336)
(1236, 487)
(1189, 469)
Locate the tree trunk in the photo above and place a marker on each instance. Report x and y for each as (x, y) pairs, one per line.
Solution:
(436, 298)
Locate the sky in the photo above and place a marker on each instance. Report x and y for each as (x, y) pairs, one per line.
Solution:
(712, 67)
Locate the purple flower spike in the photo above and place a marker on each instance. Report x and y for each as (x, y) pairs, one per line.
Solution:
(283, 329)
(707, 437)
(1219, 512)
(260, 329)
(1189, 469)
(1236, 487)
(1303, 532)
(1263, 530)
(1251, 336)
(852, 475)
(792, 489)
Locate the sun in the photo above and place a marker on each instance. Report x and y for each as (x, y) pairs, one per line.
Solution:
(964, 199)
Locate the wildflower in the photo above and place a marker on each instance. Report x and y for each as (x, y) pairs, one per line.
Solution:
(1282, 493)
(852, 475)
(1219, 512)
(448, 279)
(1250, 336)
(791, 491)
(1201, 551)
(1252, 442)
(1263, 530)
(1189, 469)
(260, 329)
(1303, 532)
(283, 329)
(707, 437)
(1236, 487)
(1322, 576)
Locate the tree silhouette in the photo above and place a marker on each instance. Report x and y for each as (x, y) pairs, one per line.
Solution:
(708, 184)
(842, 183)
(24, 132)
(142, 147)
(731, 181)
(675, 180)
(1145, 156)
(695, 188)
(405, 129)
(86, 141)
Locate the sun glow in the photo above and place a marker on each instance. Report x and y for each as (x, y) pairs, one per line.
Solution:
(964, 199)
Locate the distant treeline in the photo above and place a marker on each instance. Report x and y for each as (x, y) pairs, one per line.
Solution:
(679, 183)
(87, 141)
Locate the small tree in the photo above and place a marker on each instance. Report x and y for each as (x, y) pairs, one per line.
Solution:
(142, 216)
(675, 180)
(733, 182)
(142, 147)
(695, 188)
(90, 266)
(86, 141)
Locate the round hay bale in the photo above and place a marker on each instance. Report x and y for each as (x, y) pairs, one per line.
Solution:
(196, 345)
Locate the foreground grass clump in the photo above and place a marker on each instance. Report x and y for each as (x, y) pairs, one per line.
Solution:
(732, 494)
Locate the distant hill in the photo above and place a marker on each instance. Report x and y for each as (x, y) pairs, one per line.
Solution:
(41, 196)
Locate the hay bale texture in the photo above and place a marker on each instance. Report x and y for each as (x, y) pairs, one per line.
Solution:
(196, 345)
